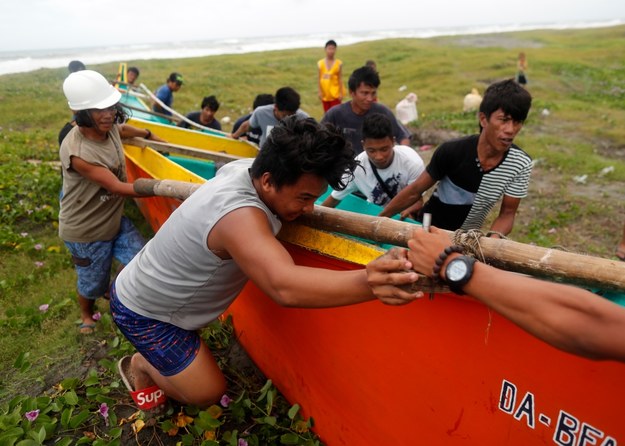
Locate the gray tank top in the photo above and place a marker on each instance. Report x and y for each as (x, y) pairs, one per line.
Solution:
(175, 278)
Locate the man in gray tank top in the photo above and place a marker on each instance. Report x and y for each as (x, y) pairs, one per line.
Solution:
(220, 237)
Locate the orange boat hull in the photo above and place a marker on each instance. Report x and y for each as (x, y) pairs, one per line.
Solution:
(436, 372)
(446, 371)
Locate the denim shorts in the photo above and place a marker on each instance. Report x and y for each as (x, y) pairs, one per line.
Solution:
(93, 260)
(170, 349)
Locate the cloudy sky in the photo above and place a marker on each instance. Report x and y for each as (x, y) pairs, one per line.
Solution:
(45, 24)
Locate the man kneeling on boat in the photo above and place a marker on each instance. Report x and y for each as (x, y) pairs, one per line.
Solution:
(223, 235)
(385, 167)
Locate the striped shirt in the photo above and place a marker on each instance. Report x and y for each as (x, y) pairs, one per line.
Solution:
(465, 193)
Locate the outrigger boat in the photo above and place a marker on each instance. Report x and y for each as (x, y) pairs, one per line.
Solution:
(446, 371)
(165, 127)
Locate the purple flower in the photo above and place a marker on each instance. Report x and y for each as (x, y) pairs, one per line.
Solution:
(39, 264)
(38, 246)
(43, 308)
(104, 411)
(96, 316)
(225, 401)
(32, 415)
(242, 442)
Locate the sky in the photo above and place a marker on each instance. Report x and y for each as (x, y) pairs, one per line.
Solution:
(49, 24)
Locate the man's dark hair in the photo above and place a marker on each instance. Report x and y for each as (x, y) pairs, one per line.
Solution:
(330, 42)
(134, 70)
(508, 96)
(377, 126)
(363, 75)
(301, 145)
(75, 65)
(175, 77)
(287, 99)
(212, 103)
(262, 99)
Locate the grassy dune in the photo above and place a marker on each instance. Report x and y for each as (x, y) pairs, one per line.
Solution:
(576, 127)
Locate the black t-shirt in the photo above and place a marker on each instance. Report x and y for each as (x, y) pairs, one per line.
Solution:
(350, 123)
(252, 134)
(195, 117)
(64, 131)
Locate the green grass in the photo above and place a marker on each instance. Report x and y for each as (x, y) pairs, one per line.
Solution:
(577, 75)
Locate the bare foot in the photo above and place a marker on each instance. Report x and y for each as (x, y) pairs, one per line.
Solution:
(141, 378)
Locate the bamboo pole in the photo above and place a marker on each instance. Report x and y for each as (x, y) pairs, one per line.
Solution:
(153, 113)
(165, 188)
(553, 264)
(178, 149)
(177, 114)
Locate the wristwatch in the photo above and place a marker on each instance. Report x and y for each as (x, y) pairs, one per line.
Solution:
(458, 272)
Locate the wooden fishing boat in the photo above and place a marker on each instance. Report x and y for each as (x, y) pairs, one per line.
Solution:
(141, 116)
(446, 371)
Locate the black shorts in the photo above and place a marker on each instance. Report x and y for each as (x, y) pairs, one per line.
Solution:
(521, 79)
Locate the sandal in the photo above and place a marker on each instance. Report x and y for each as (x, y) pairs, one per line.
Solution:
(86, 329)
(145, 399)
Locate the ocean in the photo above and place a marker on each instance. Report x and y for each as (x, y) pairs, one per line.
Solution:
(29, 60)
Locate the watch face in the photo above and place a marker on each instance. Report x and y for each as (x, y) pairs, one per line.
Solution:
(456, 270)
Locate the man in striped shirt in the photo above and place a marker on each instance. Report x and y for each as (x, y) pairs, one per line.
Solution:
(475, 172)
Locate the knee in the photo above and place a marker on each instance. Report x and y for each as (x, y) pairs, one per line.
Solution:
(214, 392)
(209, 395)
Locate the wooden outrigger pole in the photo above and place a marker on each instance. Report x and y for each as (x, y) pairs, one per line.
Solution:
(553, 264)
(210, 155)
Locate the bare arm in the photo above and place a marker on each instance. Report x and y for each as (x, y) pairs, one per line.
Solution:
(341, 86)
(244, 127)
(409, 195)
(412, 211)
(505, 220)
(319, 90)
(569, 318)
(128, 131)
(330, 202)
(247, 238)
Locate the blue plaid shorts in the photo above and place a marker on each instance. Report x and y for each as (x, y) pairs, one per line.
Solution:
(170, 349)
(93, 260)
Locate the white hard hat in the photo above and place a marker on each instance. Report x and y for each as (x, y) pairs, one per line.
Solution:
(89, 89)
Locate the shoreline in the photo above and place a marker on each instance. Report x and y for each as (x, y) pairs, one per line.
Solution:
(24, 61)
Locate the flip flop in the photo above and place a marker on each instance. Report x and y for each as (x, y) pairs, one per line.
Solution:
(86, 329)
(145, 399)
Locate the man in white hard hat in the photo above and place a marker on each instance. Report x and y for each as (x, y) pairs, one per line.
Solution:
(91, 221)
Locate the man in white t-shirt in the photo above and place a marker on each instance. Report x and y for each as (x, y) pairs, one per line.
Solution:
(385, 168)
